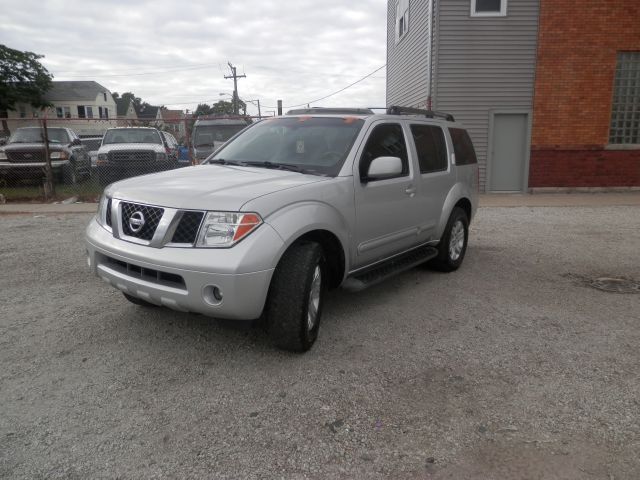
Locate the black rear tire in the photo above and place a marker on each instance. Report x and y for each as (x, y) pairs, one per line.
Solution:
(290, 305)
(450, 259)
(138, 301)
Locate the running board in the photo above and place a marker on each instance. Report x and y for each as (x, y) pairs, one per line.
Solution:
(376, 274)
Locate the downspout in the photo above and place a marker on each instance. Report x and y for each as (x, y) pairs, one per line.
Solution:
(430, 103)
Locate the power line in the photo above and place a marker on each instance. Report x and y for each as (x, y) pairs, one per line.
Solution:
(336, 92)
(139, 73)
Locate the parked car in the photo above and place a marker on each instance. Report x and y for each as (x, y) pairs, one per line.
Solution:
(92, 144)
(131, 151)
(210, 134)
(24, 156)
(288, 208)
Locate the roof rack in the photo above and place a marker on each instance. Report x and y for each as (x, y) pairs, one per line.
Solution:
(397, 110)
(331, 111)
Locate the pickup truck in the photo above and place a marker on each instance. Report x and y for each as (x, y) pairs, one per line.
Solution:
(287, 209)
(24, 155)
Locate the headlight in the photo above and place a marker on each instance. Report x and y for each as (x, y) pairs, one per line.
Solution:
(225, 229)
(161, 156)
(102, 159)
(3, 156)
(58, 155)
(101, 215)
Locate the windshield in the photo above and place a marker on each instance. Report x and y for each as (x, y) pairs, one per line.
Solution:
(205, 135)
(131, 135)
(316, 144)
(36, 135)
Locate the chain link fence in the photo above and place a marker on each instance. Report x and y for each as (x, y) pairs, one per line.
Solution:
(61, 158)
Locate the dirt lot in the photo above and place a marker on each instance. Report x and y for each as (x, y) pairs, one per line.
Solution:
(511, 368)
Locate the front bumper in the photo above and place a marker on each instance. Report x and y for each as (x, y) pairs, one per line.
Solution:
(29, 169)
(184, 278)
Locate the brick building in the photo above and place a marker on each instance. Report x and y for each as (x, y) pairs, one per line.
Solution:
(586, 111)
(549, 90)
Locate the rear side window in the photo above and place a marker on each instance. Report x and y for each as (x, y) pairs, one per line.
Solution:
(385, 141)
(431, 147)
(462, 147)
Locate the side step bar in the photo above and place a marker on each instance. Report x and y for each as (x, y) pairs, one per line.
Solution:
(376, 274)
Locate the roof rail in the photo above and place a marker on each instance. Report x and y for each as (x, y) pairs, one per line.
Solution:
(331, 111)
(397, 110)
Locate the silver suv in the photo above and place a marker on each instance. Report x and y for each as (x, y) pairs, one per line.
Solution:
(292, 206)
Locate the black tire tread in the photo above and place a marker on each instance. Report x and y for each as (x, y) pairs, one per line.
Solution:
(288, 294)
(442, 262)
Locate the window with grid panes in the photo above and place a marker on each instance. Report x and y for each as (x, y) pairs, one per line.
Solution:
(625, 107)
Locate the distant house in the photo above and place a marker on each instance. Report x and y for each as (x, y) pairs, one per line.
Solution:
(126, 112)
(550, 93)
(84, 106)
(173, 121)
(148, 114)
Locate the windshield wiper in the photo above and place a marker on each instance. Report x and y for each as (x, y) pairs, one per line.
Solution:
(222, 161)
(278, 166)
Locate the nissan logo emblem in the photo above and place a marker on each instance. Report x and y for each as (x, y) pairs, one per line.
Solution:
(136, 221)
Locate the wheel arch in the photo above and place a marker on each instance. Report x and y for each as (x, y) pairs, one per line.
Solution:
(329, 229)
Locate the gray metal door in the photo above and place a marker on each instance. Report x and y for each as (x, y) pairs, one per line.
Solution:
(508, 152)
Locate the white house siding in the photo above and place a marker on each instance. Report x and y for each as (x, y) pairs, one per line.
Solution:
(483, 64)
(408, 60)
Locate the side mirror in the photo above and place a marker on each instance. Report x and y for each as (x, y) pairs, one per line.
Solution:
(384, 167)
(76, 141)
(3, 141)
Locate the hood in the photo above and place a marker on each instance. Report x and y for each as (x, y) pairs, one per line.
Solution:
(208, 187)
(10, 147)
(156, 147)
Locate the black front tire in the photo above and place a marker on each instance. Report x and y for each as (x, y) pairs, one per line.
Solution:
(290, 301)
(450, 258)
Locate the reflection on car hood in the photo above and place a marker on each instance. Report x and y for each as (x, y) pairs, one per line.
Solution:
(208, 187)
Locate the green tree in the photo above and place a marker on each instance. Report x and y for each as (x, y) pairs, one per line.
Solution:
(23, 79)
(202, 109)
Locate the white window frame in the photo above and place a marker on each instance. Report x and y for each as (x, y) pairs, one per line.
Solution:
(402, 12)
(501, 13)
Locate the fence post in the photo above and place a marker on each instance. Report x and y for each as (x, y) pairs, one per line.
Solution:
(49, 187)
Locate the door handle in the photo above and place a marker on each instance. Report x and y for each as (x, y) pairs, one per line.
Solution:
(411, 191)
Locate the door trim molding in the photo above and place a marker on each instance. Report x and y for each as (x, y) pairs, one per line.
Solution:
(527, 146)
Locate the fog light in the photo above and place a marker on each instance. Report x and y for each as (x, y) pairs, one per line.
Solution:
(212, 295)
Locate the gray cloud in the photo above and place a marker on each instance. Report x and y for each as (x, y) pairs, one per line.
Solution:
(296, 50)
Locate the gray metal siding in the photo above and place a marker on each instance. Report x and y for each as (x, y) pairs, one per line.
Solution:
(483, 64)
(408, 60)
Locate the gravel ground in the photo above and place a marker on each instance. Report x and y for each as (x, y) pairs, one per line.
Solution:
(511, 368)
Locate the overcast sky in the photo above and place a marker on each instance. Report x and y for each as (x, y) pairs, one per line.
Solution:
(175, 53)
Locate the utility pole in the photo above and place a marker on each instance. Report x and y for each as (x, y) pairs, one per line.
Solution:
(235, 86)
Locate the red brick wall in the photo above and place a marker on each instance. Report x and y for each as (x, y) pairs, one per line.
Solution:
(577, 47)
(584, 168)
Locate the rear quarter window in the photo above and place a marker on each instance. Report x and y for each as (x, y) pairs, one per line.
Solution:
(462, 147)
(431, 147)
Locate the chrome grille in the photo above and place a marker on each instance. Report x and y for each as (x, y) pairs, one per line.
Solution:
(151, 216)
(188, 227)
(131, 156)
